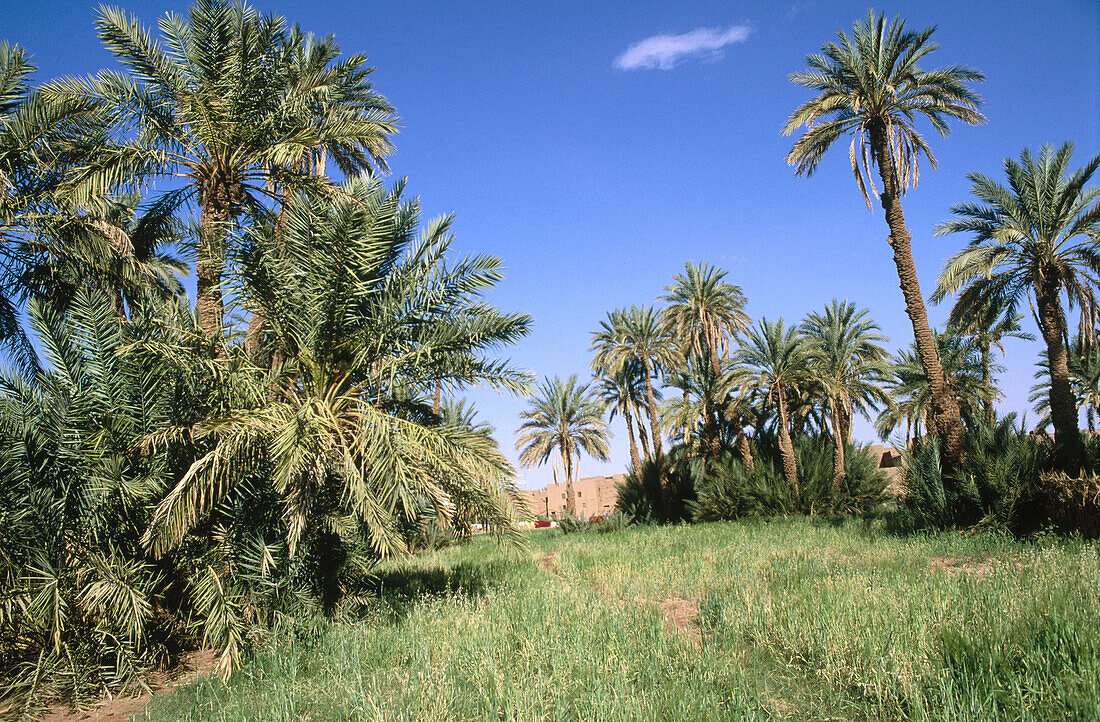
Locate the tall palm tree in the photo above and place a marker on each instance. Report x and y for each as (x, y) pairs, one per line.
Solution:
(774, 360)
(621, 391)
(636, 336)
(705, 313)
(216, 103)
(870, 87)
(846, 357)
(1040, 238)
(566, 416)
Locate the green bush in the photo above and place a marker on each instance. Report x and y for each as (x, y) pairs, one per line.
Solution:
(640, 497)
(1010, 480)
(729, 490)
(861, 489)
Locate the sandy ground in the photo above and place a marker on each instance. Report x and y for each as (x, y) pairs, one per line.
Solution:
(195, 664)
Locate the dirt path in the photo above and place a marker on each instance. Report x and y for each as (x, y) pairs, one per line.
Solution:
(120, 709)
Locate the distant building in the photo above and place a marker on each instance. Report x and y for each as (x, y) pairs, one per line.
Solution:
(595, 496)
(889, 462)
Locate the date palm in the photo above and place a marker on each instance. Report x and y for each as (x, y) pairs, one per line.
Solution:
(48, 245)
(987, 327)
(324, 92)
(869, 87)
(705, 313)
(773, 359)
(567, 416)
(636, 336)
(344, 450)
(216, 104)
(846, 357)
(911, 396)
(1084, 381)
(622, 391)
(1038, 238)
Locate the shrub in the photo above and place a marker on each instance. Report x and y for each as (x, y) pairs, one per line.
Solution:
(1009, 480)
(1068, 504)
(573, 525)
(640, 497)
(861, 489)
(728, 490)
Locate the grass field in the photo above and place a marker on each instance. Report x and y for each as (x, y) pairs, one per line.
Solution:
(755, 621)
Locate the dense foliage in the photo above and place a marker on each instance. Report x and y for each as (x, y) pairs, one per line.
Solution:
(175, 476)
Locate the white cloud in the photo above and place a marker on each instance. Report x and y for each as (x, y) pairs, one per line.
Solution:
(664, 52)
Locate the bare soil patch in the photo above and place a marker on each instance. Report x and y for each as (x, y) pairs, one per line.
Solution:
(548, 562)
(682, 618)
(975, 565)
(194, 665)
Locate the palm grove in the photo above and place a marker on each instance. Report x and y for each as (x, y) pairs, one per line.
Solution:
(211, 471)
(759, 415)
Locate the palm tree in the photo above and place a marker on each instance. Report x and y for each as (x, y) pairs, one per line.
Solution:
(870, 87)
(622, 391)
(987, 327)
(636, 336)
(846, 358)
(49, 245)
(773, 359)
(322, 93)
(911, 396)
(1039, 238)
(1084, 380)
(345, 449)
(705, 313)
(218, 105)
(566, 416)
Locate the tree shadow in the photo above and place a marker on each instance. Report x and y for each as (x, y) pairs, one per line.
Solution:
(397, 592)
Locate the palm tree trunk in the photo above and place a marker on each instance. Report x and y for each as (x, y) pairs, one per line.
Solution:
(437, 400)
(742, 440)
(1063, 405)
(987, 384)
(945, 408)
(213, 222)
(687, 426)
(786, 448)
(567, 468)
(743, 446)
(642, 434)
(655, 432)
(634, 459)
(838, 444)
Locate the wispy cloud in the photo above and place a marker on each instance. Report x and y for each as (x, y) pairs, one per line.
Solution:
(664, 52)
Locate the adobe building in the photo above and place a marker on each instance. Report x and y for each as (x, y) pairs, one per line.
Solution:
(889, 462)
(595, 496)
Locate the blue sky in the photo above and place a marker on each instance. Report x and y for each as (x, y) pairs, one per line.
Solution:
(572, 140)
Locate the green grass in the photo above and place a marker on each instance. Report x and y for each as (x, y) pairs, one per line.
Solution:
(799, 621)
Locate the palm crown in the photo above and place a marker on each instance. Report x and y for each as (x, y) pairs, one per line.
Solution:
(869, 85)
